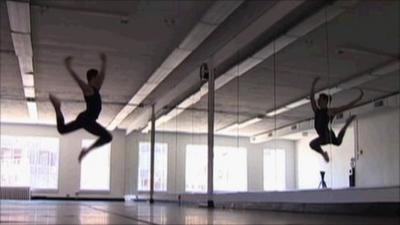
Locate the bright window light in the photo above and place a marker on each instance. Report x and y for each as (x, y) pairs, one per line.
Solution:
(160, 166)
(95, 168)
(230, 169)
(196, 168)
(29, 162)
(274, 170)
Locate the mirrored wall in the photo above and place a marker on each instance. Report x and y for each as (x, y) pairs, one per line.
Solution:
(315, 106)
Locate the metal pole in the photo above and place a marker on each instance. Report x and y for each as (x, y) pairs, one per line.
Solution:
(152, 144)
(210, 171)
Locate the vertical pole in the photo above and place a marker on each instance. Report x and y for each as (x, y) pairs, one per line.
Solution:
(210, 140)
(152, 144)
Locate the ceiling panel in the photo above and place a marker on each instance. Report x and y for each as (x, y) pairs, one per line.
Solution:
(135, 35)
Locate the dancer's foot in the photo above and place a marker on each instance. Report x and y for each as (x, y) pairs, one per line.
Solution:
(55, 101)
(83, 153)
(326, 156)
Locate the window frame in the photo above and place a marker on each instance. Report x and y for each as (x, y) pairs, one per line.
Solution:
(215, 148)
(143, 191)
(263, 169)
(44, 190)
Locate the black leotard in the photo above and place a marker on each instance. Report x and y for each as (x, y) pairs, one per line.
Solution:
(93, 105)
(321, 121)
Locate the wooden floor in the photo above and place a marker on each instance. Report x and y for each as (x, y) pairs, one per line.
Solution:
(90, 212)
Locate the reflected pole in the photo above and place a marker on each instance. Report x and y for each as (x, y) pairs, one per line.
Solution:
(152, 144)
(210, 139)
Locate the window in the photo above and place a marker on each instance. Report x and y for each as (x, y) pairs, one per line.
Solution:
(230, 168)
(274, 169)
(160, 166)
(95, 168)
(29, 161)
(196, 168)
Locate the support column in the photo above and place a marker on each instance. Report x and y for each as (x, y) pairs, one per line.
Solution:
(152, 145)
(210, 140)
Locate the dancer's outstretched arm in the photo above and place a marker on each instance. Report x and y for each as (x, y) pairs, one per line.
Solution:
(98, 80)
(312, 95)
(86, 89)
(336, 110)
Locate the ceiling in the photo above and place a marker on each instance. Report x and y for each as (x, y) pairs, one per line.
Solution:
(138, 35)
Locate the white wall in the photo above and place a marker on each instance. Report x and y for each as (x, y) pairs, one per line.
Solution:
(69, 169)
(378, 138)
(310, 163)
(176, 158)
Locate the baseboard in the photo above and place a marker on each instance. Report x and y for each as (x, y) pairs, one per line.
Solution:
(376, 208)
(77, 199)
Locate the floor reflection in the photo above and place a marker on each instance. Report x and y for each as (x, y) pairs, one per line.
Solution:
(74, 212)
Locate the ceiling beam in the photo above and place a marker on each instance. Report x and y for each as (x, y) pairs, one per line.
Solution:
(214, 16)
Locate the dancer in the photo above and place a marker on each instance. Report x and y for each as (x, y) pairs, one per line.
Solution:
(323, 118)
(86, 119)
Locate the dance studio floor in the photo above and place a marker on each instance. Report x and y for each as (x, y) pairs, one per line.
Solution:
(89, 212)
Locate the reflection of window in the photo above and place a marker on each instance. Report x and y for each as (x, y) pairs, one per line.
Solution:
(29, 161)
(230, 168)
(160, 166)
(196, 168)
(274, 169)
(95, 168)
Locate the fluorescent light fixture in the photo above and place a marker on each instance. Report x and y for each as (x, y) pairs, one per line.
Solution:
(219, 11)
(25, 64)
(144, 91)
(265, 52)
(249, 122)
(127, 109)
(29, 92)
(22, 44)
(240, 125)
(330, 91)
(298, 103)
(197, 35)
(315, 21)
(264, 137)
(388, 68)
(278, 111)
(188, 102)
(175, 58)
(159, 75)
(228, 128)
(223, 79)
(147, 128)
(334, 90)
(19, 16)
(27, 80)
(248, 64)
(32, 109)
(136, 100)
(120, 116)
(269, 50)
(356, 81)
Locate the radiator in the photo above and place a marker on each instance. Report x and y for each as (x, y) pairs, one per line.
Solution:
(23, 193)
